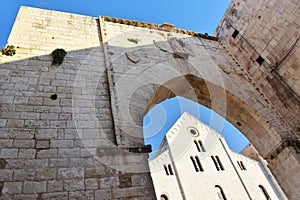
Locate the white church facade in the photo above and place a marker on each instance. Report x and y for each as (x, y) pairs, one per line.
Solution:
(194, 162)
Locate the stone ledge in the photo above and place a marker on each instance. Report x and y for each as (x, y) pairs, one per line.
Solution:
(163, 27)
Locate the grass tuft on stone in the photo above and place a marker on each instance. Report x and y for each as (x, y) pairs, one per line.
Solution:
(58, 56)
(9, 50)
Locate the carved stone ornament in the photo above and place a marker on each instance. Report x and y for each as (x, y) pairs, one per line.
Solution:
(132, 56)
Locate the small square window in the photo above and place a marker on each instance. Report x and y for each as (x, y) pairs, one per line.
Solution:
(235, 33)
(260, 60)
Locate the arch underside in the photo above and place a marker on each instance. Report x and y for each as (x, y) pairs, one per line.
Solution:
(255, 127)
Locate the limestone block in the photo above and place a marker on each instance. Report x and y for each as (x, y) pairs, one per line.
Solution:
(68, 153)
(91, 183)
(46, 174)
(47, 153)
(27, 153)
(55, 195)
(6, 143)
(8, 153)
(36, 163)
(12, 188)
(24, 174)
(74, 184)
(6, 175)
(81, 195)
(59, 162)
(103, 194)
(46, 134)
(34, 187)
(54, 186)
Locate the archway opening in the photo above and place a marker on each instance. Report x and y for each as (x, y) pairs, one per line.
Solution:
(225, 101)
(162, 117)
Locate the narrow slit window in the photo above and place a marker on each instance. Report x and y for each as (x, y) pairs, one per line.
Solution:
(199, 164)
(215, 162)
(166, 170)
(265, 192)
(198, 148)
(220, 163)
(239, 164)
(194, 163)
(235, 33)
(201, 146)
(242, 165)
(170, 170)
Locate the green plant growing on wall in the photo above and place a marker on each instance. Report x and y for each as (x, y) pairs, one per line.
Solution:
(9, 50)
(133, 40)
(58, 56)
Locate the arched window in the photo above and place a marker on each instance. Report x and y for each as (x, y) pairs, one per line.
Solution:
(241, 165)
(199, 146)
(194, 163)
(163, 197)
(220, 192)
(168, 170)
(215, 162)
(265, 192)
(220, 163)
(199, 164)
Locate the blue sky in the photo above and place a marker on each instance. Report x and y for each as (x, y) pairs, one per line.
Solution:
(195, 15)
(162, 117)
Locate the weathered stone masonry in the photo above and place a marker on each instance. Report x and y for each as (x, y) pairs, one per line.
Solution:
(88, 143)
(268, 31)
(42, 155)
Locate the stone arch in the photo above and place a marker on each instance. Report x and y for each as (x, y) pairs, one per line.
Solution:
(144, 76)
(242, 115)
(202, 76)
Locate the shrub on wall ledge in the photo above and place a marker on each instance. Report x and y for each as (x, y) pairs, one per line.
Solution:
(58, 56)
(9, 50)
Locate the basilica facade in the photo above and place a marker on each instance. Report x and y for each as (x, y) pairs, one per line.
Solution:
(195, 162)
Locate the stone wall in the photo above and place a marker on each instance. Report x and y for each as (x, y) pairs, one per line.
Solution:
(89, 143)
(48, 147)
(266, 45)
(264, 37)
(250, 152)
